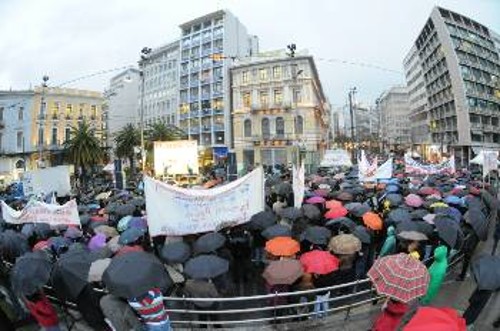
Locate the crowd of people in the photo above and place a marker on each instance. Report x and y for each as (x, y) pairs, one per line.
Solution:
(344, 231)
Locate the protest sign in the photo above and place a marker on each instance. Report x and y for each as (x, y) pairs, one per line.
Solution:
(43, 181)
(298, 184)
(40, 212)
(413, 166)
(336, 158)
(176, 211)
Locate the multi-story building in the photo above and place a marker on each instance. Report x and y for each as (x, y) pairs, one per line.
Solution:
(38, 122)
(122, 100)
(161, 85)
(208, 46)
(417, 96)
(279, 111)
(461, 69)
(394, 115)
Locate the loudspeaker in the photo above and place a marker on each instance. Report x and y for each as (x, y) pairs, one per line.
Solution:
(118, 165)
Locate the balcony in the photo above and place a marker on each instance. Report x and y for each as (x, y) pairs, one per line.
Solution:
(205, 96)
(2, 124)
(195, 68)
(206, 52)
(206, 65)
(217, 94)
(218, 127)
(194, 130)
(207, 128)
(194, 98)
(194, 83)
(218, 111)
(194, 113)
(183, 116)
(217, 64)
(184, 85)
(184, 71)
(206, 112)
(55, 117)
(205, 81)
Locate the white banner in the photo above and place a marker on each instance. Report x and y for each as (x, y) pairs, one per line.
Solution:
(298, 184)
(40, 212)
(176, 157)
(490, 162)
(374, 172)
(44, 181)
(176, 211)
(336, 158)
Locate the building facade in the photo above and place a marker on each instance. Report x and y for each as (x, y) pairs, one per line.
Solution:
(460, 67)
(208, 46)
(280, 112)
(394, 114)
(38, 122)
(123, 100)
(161, 85)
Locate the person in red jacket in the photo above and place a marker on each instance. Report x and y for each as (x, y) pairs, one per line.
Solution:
(390, 318)
(43, 311)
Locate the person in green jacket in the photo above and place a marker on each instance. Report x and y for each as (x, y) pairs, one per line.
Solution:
(437, 272)
(389, 246)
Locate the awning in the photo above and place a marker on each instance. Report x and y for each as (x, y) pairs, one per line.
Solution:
(220, 152)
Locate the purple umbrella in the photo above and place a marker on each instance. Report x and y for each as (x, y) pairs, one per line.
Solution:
(315, 199)
(413, 200)
(97, 242)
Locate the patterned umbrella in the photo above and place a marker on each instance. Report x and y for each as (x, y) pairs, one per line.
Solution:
(319, 262)
(282, 246)
(400, 277)
(345, 244)
(283, 272)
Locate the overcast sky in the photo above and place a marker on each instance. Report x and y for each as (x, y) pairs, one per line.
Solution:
(66, 39)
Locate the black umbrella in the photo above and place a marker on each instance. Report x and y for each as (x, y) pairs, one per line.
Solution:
(448, 230)
(394, 198)
(133, 274)
(262, 220)
(478, 222)
(425, 228)
(398, 215)
(283, 188)
(124, 210)
(341, 222)
(138, 202)
(85, 219)
(206, 267)
(273, 180)
(311, 212)
(318, 235)
(359, 209)
(486, 272)
(42, 230)
(209, 243)
(362, 234)
(291, 213)
(277, 230)
(406, 226)
(70, 273)
(30, 273)
(177, 252)
(13, 244)
(418, 214)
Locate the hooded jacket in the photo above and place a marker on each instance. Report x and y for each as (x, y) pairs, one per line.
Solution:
(389, 246)
(437, 272)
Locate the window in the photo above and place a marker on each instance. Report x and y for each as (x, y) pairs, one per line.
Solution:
(67, 134)
(244, 77)
(280, 127)
(299, 125)
(266, 129)
(69, 110)
(55, 109)
(278, 96)
(20, 113)
(247, 128)
(40, 136)
(19, 140)
(1, 113)
(54, 136)
(247, 99)
(277, 72)
(263, 74)
(93, 111)
(42, 110)
(264, 99)
(297, 95)
(1, 139)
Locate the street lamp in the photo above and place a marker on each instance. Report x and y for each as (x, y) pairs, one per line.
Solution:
(352, 92)
(45, 79)
(144, 56)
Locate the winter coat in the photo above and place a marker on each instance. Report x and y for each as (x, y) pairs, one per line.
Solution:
(389, 246)
(391, 316)
(437, 272)
(43, 312)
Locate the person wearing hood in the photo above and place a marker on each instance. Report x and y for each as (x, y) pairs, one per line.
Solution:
(392, 313)
(437, 272)
(389, 246)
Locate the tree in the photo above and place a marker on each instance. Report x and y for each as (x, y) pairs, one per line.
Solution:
(83, 149)
(161, 131)
(126, 139)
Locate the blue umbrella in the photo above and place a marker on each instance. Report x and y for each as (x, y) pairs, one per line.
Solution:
(391, 188)
(206, 267)
(209, 242)
(123, 223)
(130, 236)
(398, 215)
(177, 252)
(454, 200)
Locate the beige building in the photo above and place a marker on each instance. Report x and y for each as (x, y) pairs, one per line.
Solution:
(280, 112)
(29, 127)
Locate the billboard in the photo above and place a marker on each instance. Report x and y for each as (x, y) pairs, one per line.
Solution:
(178, 157)
(44, 181)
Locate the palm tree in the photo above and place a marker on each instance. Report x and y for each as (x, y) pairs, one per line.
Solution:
(83, 149)
(161, 131)
(126, 139)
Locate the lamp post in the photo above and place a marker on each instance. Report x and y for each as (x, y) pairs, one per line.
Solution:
(144, 56)
(45, 78)
(352, 92)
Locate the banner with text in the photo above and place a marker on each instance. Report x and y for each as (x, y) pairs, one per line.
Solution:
(298, 184)
(413, 166)
(40, 212)
(175, 211)
(44, 181)
(374, 172)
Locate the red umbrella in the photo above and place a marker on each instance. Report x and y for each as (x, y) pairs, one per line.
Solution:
(336, 212)
(315, 199)
(426, 190)
(319, 262)
(400, 277)
(331, 204)
(413, 200)
(436, 319)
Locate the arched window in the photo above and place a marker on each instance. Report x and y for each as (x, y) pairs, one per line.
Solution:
(280, 126)
(299, 125)
(247, 128)
(266, 129)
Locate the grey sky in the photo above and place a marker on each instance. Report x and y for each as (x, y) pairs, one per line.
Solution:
(67, 39)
